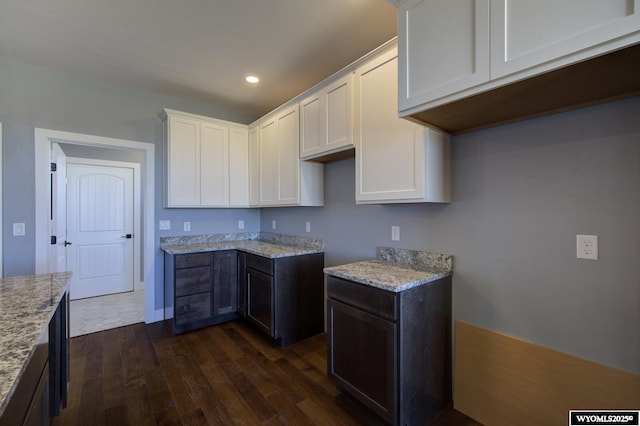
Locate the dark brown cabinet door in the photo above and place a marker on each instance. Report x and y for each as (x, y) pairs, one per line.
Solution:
(260, 300)
(362, 356)
(242, 284)
(225, 282)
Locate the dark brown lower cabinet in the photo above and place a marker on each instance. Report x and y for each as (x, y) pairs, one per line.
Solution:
(391, 351)
(285, 296)
(42, 388)
(205, 288)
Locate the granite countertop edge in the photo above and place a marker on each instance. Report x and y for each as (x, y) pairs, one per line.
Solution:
(396, 270)
(262, 244)
(429, 277)
(14, 372)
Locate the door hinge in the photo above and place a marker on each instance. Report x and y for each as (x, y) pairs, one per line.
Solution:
(54, 240)
(54, 167)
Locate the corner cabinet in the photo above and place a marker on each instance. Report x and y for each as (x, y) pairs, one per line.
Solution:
(396, 161)
(285, 179)
(502, 58)
(206, 162)
(326, 121)
(205, 288)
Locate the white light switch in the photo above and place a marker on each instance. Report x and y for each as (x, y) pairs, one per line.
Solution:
(273, 224)
(187, 226)
(164, 225)
(307, 227)
(241, 224)
(395, 233)
(18, 230)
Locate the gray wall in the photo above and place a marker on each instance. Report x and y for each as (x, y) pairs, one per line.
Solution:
(32, 96)
(521, 193)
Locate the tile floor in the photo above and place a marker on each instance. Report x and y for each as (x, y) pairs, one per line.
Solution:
(105, 312)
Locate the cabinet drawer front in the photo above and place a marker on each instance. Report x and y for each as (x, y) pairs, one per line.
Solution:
(193, 260)
(374, 300)
(260, 263)
(192, 308)
(194, 280)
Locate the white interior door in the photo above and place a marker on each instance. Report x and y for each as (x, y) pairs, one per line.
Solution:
(58, 255)
(100, 228)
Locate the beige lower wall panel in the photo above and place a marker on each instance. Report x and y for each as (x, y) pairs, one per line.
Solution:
(501, 380)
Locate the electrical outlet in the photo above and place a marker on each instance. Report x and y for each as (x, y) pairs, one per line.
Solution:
(587, 247)
(273, 224)
(187, 226)
(307, 227)
(241, 224)
(18, 230)
(395, 233)
(164, 225)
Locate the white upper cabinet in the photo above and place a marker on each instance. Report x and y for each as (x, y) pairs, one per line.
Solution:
(285, 179)
(469, 64)
(206, 162)
(326, 120)
(551, 33)
(397, 161)
(447, 55)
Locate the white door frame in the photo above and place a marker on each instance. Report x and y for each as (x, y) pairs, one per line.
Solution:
(137, 283)
(43, 139)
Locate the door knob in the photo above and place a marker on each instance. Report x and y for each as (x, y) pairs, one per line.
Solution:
(67, 243)
(128, 236)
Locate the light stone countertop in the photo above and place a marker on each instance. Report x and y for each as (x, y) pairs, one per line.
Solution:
(27, 304)
(263, 244)
(396, 270)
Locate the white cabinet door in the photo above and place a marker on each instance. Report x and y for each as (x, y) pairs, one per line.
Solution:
(339, 114)
(326, 120)
(288, 158)
(392, 156)
(182, 159)
(443, 48)
(254, 167)
(527, 33)
(238, 167)
(268, 163)
(312, 135)
(214, 165)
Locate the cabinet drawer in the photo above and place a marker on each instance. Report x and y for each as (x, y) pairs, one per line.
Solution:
(193, 280)
(260, 263)
(192, 308)
(193, 260)
(374, 300)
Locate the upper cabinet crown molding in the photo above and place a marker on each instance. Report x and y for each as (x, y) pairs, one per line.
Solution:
(507, 60)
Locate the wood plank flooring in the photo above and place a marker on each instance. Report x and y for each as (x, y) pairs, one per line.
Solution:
(222, 375)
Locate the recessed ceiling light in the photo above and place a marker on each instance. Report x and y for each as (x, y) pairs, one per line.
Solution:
(252, 79)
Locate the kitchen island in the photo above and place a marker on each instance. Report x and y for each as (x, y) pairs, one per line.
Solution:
(389, 333)
(33, 346)
(273, 280)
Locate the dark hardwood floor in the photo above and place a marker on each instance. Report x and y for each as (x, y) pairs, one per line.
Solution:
(225, 374)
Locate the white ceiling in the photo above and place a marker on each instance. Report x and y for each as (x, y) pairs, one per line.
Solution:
(199, 49)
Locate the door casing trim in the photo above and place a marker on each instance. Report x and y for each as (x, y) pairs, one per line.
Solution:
(42, 141)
